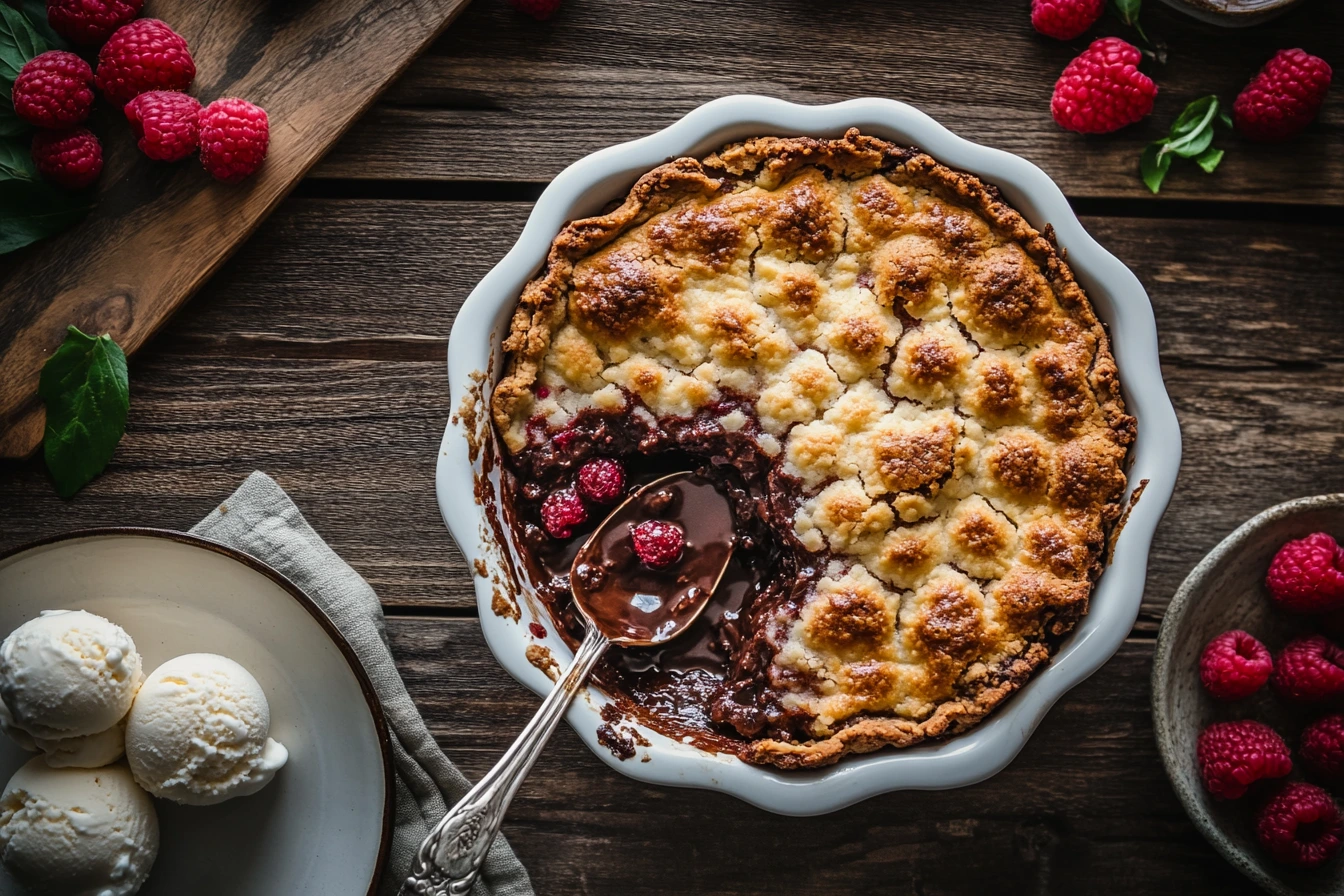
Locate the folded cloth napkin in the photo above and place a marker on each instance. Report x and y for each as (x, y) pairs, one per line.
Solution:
(260, 519)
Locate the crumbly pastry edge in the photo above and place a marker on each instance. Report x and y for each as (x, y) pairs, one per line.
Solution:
(777, 159)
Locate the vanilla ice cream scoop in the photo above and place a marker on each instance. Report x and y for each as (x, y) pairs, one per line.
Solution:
(86, 750)
(68, 673)
(77, 832)
(198, 732)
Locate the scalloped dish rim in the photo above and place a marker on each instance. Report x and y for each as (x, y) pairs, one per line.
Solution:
(1119, 300)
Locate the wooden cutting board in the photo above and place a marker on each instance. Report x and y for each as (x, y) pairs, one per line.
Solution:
(158, 231)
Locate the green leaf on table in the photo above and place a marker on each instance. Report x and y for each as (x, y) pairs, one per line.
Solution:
(1225, 117)
(88, 395)
(31, 210)
(19, 42)
(16, 162)
(1127, 10)
(36, 11)
(1153, 165)
(1209, 159)
(1193, 144)
(1190, 137)
(1193, 116)
(11, 125)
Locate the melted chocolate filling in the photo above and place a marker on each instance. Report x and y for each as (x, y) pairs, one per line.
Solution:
(627, 598)
(715, 683)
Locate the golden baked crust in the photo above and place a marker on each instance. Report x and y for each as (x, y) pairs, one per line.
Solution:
(920, 361)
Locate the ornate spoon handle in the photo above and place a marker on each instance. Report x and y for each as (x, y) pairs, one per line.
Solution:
(452, 854)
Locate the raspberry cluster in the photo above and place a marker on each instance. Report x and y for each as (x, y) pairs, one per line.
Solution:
(1298, 823)
(599, 481)
(145, 68)
(1102, 89)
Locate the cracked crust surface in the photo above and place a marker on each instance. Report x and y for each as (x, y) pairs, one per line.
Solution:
(921, 363)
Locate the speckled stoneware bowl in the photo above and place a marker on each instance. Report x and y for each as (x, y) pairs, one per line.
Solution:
(1225, 591)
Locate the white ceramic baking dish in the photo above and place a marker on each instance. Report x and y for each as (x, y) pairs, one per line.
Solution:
(583, 189)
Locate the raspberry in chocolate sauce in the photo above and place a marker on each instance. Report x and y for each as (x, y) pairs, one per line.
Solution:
(710, 683)
(625, 596)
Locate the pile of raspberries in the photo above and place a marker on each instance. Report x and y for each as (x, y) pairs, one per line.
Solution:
(1102, 90)
(144, 68)
(1299, 823)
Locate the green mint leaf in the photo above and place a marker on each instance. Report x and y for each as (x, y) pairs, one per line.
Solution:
(1153, 165)
(1225, 117)
(1195, 128)
(1194, 145)
(31, 210)
(1209, 159)
(36, 11)
(11, 125)
(18, 43)
(16, 162)
(88, 395)
(1127, 10)
(1192, 115)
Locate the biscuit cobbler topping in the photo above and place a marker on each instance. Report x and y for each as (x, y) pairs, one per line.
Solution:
(899, 385)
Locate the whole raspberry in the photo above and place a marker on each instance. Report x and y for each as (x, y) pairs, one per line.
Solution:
(1309, 670)
(234, 138)
(1307, 575)
(1065, 19)
(1234, 755)
(1283, 98)
(144, 55)
(541, 10)
(658, 543)
(1102, 90)
(72, 159)
(602, 480)
(166, 124)
(90, 21)
(562, 512)
(1234, 665)
(1322, 747)
(1299, 825)
(54, 90)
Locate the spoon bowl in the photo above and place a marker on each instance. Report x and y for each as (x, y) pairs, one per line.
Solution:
(637, 605)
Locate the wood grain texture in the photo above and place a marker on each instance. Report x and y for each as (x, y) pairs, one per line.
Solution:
(317, 354)
(157, 232)
(1085, 808)
(501, 98)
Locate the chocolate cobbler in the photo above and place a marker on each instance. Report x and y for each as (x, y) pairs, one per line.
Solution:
(901, 388)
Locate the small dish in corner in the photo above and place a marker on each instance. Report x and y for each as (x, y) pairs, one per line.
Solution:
(1233, 13)
(1227, 591)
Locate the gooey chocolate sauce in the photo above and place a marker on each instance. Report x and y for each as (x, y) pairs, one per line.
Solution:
(630, 601)
(711, 685)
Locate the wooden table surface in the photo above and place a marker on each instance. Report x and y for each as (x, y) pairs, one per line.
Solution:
(316, 354)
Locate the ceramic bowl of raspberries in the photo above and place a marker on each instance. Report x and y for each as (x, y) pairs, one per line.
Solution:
(1248, 696)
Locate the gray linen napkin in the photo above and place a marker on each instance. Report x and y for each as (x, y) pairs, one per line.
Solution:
(260, 519)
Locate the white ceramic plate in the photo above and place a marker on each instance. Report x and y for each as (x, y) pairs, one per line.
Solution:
(323, 825)
(584, 188)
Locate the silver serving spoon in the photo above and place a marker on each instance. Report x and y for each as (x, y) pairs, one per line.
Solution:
(623, 602)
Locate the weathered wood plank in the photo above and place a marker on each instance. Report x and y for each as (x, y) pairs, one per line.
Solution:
(157, 232)
(500, 97)
(1085, 808)
(328, 273)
